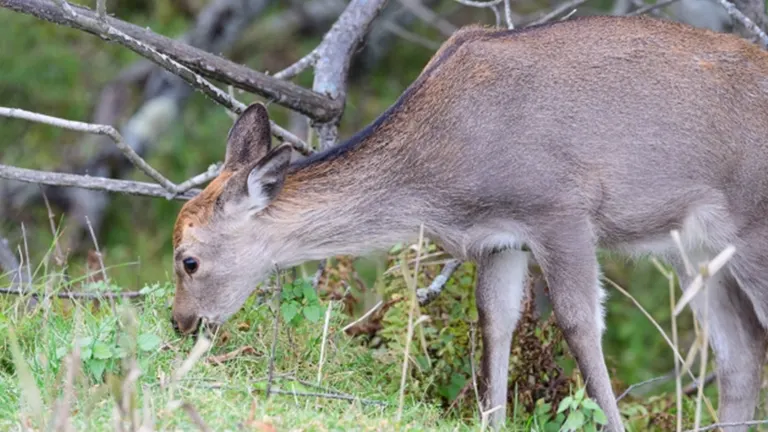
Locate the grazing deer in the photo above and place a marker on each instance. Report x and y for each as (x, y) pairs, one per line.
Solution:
(594, 132)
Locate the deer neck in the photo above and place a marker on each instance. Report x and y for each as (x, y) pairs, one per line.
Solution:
(350, 203)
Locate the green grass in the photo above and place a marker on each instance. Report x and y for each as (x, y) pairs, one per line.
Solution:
(224, 394)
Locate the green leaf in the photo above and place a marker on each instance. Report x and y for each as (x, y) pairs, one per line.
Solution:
(97, 367)
(312, 312)
(579, 395)
(599, 416)
(289, 311)
(590, 427)
(574, 421)
(309, 293)
(564, 404)
(101, 351)
(148, 342)
(589, 404)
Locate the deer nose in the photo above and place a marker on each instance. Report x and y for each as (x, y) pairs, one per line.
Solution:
(185, 324)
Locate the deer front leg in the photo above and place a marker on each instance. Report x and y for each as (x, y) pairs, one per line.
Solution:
(569, 262)
(499, 292)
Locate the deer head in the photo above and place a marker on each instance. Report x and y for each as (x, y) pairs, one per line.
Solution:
(215, 271)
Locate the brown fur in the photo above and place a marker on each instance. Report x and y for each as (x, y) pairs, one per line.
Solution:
(199, 210)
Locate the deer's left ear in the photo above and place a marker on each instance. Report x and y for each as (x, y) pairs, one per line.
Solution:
(249, 138)
(266, 179)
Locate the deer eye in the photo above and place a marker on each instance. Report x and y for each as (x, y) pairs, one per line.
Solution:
(190, 265)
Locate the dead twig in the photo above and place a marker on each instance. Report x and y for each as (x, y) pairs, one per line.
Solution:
(427, 295)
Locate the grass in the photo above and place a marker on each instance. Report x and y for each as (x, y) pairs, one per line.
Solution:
(225, 395)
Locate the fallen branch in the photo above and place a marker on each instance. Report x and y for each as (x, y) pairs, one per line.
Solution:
(307, 102)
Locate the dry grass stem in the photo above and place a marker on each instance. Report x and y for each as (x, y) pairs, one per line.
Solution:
(324, 342)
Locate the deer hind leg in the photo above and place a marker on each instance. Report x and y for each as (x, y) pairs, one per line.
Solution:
(500, 290)
(567, 256)
(738, 317)
(737, 339)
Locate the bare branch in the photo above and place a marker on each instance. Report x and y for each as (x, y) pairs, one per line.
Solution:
(557, 11)
(88, 182)
(651, 7)
(335, 53)
(427, 295)
(480, 4)
(745, 21)
(282, 92)
(299, 67)
(508, 15)
(94, 129)
(730, 424)
(426, 14)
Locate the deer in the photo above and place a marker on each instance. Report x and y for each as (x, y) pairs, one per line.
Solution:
(540, 144)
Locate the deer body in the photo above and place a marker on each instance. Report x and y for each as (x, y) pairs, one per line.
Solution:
(594, 132)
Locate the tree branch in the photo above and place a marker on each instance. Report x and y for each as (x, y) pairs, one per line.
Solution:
(335, 54)
(426, 295)
(88, 182)
(284, 93)
(749, 24)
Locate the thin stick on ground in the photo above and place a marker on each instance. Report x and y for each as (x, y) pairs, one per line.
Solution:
(98, 250)
(328, 396)
(640, 384)
(364, 317)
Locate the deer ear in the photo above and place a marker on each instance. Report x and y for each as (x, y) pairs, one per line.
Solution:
(266, 179)
(249, 138)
